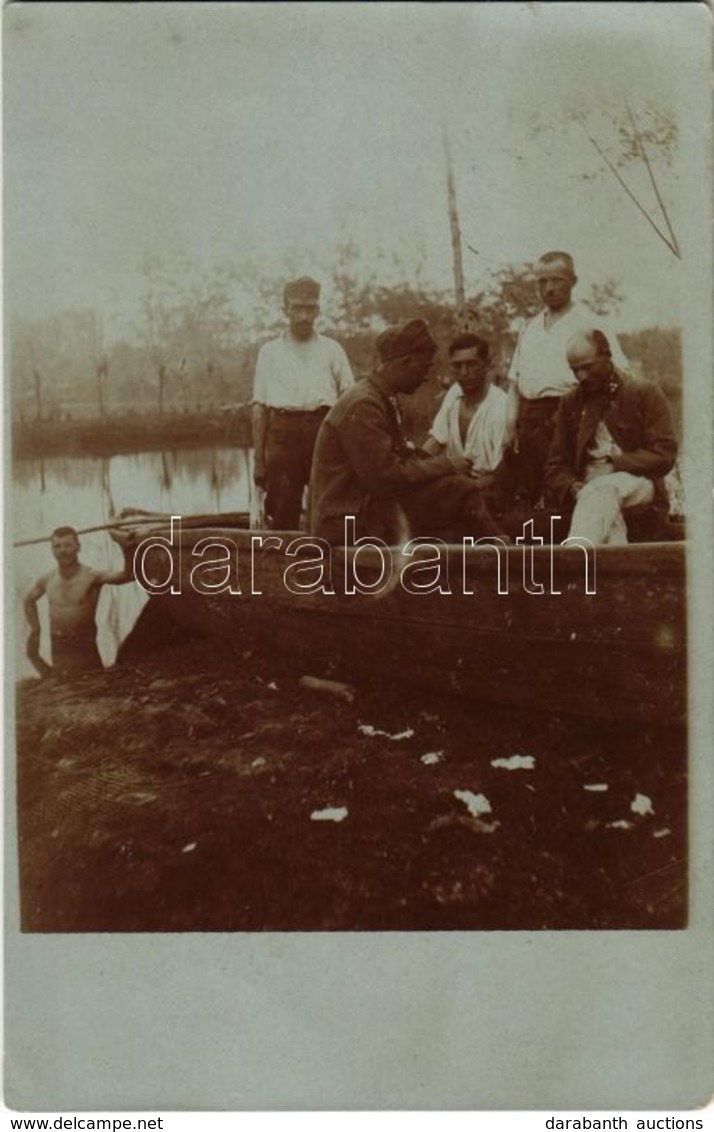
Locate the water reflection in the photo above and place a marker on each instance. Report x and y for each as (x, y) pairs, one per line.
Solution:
(84, 492)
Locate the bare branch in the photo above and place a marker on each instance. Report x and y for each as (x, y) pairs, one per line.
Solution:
(653, 180)
(673, 246)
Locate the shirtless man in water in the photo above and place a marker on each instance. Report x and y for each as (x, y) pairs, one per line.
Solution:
(72, 591)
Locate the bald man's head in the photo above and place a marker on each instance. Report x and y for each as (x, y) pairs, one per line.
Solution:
(589, 358)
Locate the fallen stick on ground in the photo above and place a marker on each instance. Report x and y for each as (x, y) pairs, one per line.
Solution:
(331, 687)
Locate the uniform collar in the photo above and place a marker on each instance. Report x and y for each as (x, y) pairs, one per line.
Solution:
(382, 386)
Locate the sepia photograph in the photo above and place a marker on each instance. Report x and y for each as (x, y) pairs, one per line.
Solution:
(351, 396)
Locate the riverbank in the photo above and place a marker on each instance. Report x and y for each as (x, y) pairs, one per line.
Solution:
(191, 789)
(147, 432)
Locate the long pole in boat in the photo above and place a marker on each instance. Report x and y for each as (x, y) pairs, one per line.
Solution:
(239, 519)
(457, 255)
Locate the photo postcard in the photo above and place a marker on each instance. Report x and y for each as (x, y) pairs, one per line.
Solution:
(358, 556)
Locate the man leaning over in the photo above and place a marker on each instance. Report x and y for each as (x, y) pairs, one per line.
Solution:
(365, 468)
(539, 375)
(614, 441)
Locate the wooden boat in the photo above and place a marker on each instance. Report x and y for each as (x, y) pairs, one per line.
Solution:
(618, 653)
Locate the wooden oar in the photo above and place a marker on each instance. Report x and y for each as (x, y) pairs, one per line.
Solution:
(229, 519)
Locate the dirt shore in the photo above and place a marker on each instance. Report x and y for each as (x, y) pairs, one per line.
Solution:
(198, 789)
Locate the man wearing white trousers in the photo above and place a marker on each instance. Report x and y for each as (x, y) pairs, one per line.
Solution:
(613, 443)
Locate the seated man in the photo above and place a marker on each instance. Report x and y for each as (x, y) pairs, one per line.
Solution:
(364, 467)
(72, 592)
(471, 421)
(614, 441)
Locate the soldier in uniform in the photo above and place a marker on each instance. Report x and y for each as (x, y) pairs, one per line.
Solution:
(364, 467)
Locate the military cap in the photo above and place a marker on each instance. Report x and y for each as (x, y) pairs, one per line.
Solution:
(407, 338)
(305, 289)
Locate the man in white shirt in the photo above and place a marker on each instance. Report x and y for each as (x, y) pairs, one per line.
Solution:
(298, 377)
(539, 375)
(471, 421)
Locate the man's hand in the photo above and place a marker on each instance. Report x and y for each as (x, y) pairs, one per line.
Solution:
(125, 539)
(260, 477)
(483, 479)
(33, 654)
(462, 465)
(510, 436)
(601, 469)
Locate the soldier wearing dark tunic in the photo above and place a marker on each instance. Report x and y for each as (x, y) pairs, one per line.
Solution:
(364, 467)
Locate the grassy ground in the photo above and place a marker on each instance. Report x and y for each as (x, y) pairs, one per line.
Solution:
(178, 793)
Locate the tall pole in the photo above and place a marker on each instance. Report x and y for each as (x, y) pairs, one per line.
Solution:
(455, 229)
(37, 378)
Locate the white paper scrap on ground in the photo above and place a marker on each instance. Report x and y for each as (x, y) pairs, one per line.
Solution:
(273, 686)
(662, 833)
(332, 813)
(479, 826)
(596, 787)
(621, 824)
(260, 761)
(432, 757)
(642, 805)
(190, 847)
(368, 729)
(475, 803)
(516, 762)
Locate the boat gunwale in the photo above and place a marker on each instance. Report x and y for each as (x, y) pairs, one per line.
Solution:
(640, 559)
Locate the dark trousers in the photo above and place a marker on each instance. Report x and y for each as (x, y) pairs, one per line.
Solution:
(522, 474)
(288, 460)
(72, 655)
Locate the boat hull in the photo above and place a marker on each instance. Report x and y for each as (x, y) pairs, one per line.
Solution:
(618, 653)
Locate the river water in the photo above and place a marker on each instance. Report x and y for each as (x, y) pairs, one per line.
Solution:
(83, 492)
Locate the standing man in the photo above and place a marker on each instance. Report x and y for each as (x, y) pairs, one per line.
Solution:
(298, 376)
(614, 441)
(471, 421)
(72, 592)
(539, 375)
(364, 467)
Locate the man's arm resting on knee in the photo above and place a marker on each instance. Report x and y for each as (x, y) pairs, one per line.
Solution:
(658, 452)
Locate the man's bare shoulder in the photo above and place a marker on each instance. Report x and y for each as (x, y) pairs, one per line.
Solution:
(89, 574)
(85, 577)
(40, 586)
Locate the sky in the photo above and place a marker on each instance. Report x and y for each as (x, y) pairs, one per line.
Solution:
(196, 134)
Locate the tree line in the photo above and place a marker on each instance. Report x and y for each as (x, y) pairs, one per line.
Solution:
(192, 350)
